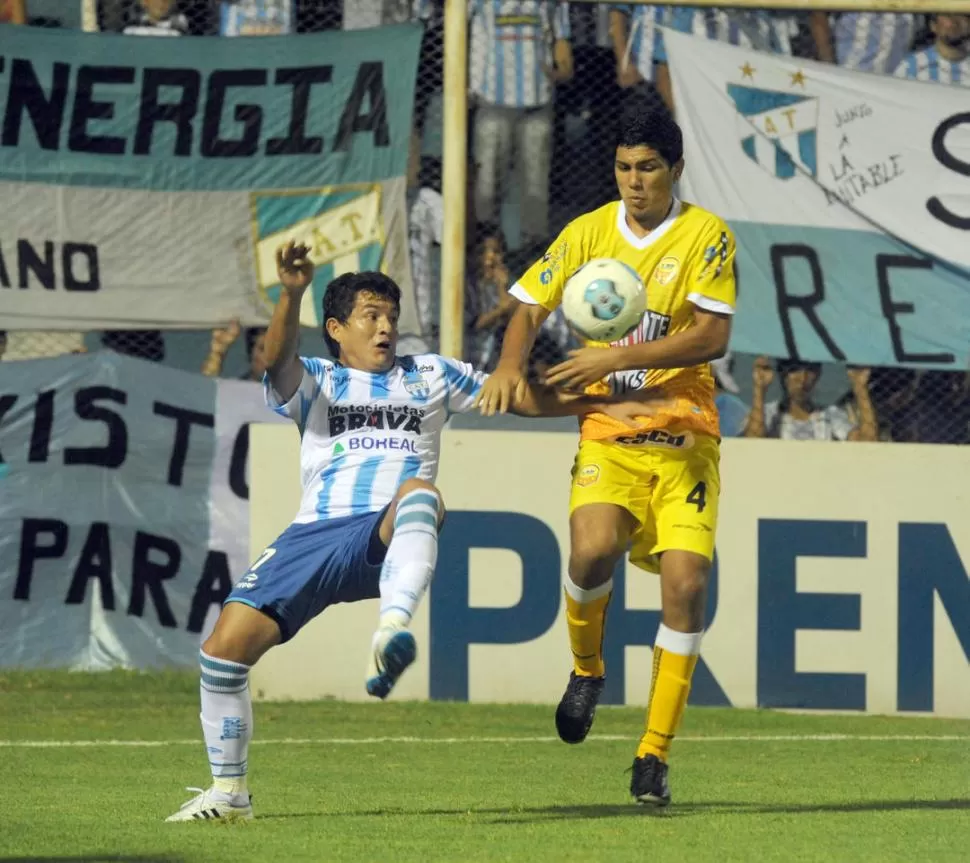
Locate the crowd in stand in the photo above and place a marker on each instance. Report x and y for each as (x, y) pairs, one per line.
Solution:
(545, 78)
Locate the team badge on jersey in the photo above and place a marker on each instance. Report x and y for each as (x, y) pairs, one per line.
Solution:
(666, 271)
(588, 475)
(416, 386)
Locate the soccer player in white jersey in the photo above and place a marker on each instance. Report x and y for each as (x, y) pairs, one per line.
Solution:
(370, 425)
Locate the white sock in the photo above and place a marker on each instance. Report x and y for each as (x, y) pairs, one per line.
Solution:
(227, 722)
(410, 559)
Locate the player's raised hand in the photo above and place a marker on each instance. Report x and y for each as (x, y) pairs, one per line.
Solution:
(294, 267)
(503, 387)
(585, 366)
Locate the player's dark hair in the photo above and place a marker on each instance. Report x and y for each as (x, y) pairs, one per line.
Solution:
(252, 336)
(648, 124)
(341, 296)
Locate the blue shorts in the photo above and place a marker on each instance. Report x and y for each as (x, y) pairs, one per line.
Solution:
(312, 566)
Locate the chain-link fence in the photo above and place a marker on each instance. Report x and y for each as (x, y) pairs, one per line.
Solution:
(546, 81)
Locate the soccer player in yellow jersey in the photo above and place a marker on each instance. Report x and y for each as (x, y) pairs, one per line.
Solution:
(652, 488)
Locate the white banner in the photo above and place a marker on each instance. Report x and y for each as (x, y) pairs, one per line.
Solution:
(124, 509)
(849, 193)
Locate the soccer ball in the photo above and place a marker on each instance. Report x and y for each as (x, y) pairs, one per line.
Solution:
(604, 300)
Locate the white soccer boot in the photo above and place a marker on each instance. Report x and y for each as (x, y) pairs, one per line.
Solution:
(211, 804)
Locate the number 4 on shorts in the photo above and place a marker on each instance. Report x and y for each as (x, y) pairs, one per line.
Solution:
(698, 496)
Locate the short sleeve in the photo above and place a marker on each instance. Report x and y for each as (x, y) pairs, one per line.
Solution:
(711, 284)
(544, 281)
(462, 385)
(307, 393)
(839, 422)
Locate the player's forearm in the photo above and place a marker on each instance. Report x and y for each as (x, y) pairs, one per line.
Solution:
(282, 340)
(692, 347)
(542, 401)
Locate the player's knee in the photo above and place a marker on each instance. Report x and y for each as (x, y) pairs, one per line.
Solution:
(685, 578)
(241, 635)
(594, 552)
(408, 489)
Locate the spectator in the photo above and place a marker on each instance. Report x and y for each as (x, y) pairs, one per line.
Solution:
(943, 407)
(157, 18)
(488, 304)
(256, 17)
(865, 41)
(515, 60)
(639, 49)
(893, 393)
(947, 60)
(425, 230)
(795, 416)
(731, 410)
(361, 14)
(13, 11)
(223, 339)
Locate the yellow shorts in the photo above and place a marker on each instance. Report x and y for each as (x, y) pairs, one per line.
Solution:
(671, 491)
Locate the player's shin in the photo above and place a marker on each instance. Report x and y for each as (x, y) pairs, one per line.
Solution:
(674, 658)
(411, 557)
(227, 722)
(586, 618)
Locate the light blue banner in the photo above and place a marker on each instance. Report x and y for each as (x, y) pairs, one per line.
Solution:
(206, 113)
(823, 294)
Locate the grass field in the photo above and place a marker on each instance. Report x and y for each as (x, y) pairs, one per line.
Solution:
(90, 765)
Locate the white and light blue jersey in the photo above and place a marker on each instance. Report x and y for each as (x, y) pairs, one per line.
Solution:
(928, 65)
(644, 46)
(364, 434)
(509, 48)
(757, 30)
(873, 41)
(256, 17)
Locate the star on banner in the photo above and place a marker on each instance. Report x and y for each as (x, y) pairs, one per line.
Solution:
(798, 78)
(747, 71)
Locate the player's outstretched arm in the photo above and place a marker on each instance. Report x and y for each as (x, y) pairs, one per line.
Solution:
(538, 400)
(508, 382)
(282, 339)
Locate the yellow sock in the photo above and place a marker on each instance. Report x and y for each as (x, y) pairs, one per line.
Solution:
(674, 658)
(586, 616)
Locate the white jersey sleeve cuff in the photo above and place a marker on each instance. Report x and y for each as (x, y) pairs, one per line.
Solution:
(522, 295)
(709, 305)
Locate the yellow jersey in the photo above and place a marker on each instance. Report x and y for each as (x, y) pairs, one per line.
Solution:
(686, 261)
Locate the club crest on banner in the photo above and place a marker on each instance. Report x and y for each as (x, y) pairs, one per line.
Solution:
(777, 130)
(342, 225)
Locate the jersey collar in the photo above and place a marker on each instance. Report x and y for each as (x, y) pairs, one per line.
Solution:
(651, 238)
